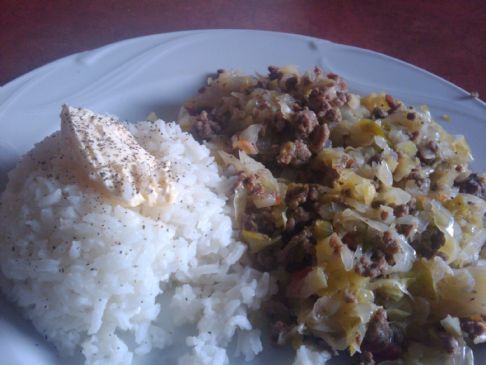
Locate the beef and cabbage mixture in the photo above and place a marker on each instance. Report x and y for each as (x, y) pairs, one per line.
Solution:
(363, 209)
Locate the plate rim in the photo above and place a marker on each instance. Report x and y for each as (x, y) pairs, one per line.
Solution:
(6, 88)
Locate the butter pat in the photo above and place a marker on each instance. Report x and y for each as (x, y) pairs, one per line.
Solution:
(111, 157)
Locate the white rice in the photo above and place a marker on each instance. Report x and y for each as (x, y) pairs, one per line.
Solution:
(90, 274)
(306, 356)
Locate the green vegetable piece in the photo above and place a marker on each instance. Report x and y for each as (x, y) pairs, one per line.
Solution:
(257, 241)
(322, 229)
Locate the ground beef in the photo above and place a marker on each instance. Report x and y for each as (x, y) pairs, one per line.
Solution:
(371, 264)
(296, 195)
(429, 242)
(318, 138)
(366, 358)
(259, 220)
(298, 217)
(280, 125)
(335, 243)
(274, 73)
(390, 247)
(204, 128)
(351, 239)
(401, 210)
(319, 101)
(294, 136)
(266, 259)
(294, 153)
(299, 252)
(473, 184)
(383, 340)
(379, 334)
(376, 261)
(302, 153)
(305, 122)
(448, 343)
(339, 81)
(302, 202)
(472, 329)
(378, 113)
(375, 159)
(332, 115)
(251, 184)
(412, 206)
(314, 193)
(384, 214)
(342, 98)
(277, 309)
(406, 230)
(392, 103)
(349, 297)
(279, 333)
(306, 136)
(417, 178)
(291, 83)
(301, 194)
(319, 174)
(427, 153)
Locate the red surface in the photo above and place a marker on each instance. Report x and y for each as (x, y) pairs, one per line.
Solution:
(447, 38)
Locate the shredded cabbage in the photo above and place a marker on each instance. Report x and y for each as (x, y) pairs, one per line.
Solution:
(372, 210)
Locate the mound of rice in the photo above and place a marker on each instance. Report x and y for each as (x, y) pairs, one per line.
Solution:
(90, 274)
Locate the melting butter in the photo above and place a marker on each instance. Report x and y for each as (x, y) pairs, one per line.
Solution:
(111, 157)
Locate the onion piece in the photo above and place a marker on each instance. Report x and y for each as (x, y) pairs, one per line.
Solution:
(470, 252)
(247, 139)
(257, 241)
(351, 215)
(384, 174)
(452, 326)
(442, 218)
(393, 288)
(394, 196)
(406, 257)
(240, 200)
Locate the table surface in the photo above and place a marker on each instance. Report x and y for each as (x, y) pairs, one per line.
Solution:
(447, 38)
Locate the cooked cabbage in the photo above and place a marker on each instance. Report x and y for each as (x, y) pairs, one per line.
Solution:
(357, 205)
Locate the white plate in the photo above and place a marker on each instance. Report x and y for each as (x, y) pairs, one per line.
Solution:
(157, 73)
